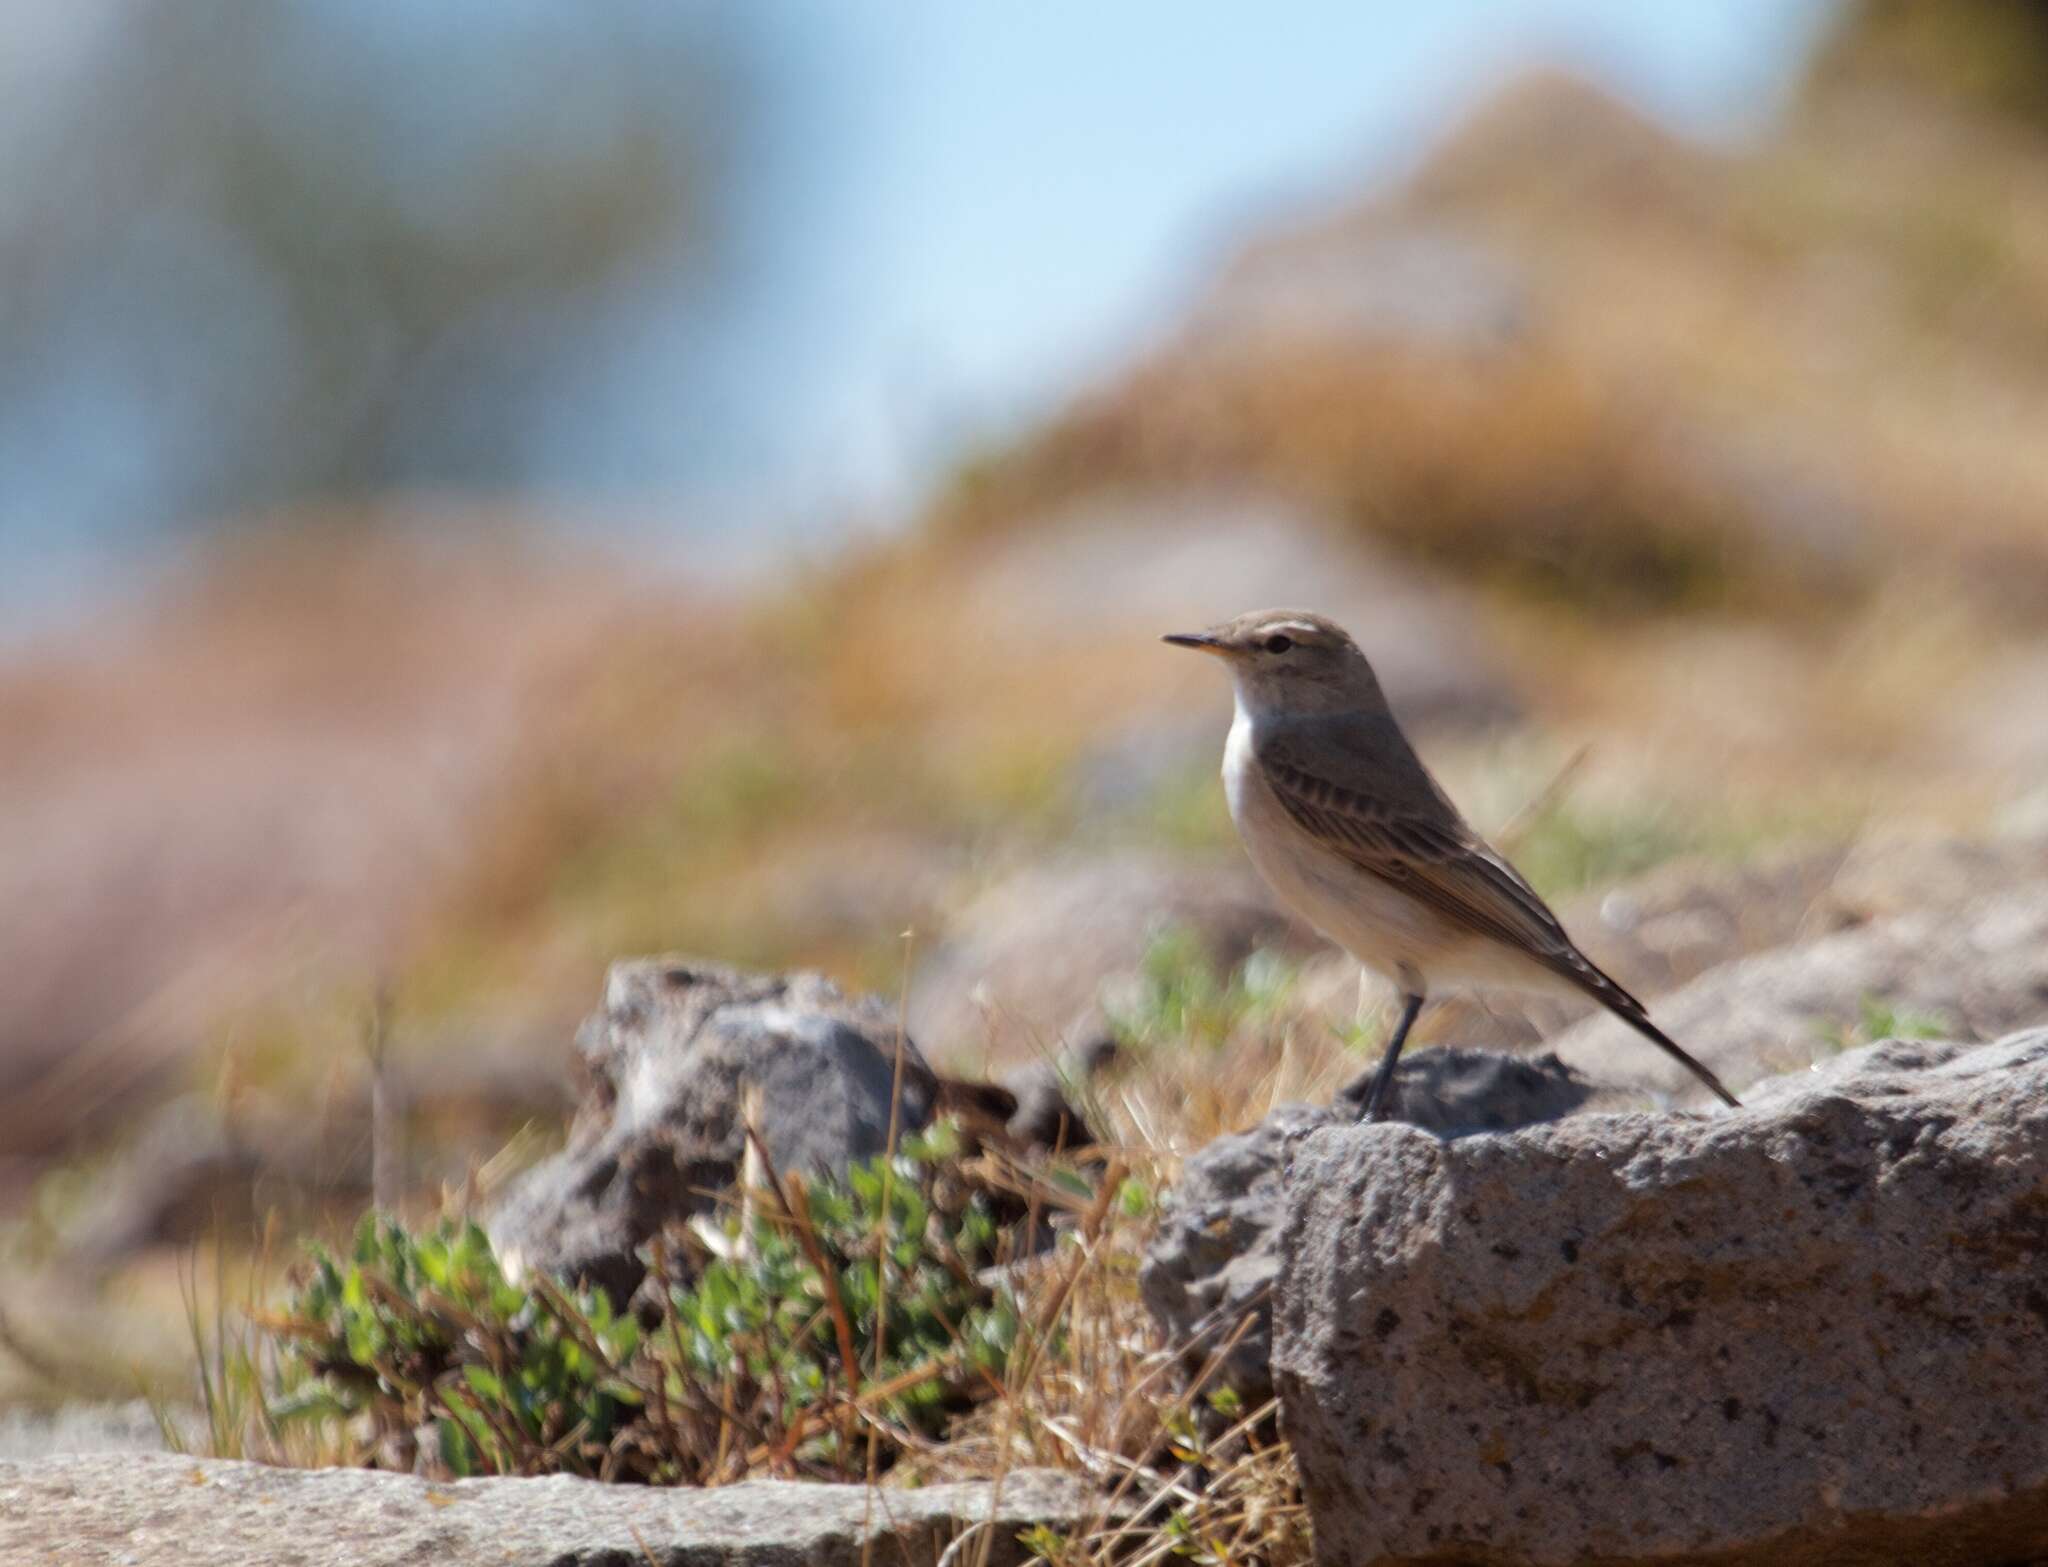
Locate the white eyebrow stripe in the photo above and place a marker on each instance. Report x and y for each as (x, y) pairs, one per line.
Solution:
(1299, 627)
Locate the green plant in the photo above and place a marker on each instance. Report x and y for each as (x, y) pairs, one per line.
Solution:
(1181, 998)
(417, 1331)
(839, 1289)
(1878, 1018)
(1566, 848)
(827, 1309)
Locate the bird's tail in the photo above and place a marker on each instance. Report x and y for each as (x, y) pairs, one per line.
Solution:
(1595, 982)
(1640, 1022)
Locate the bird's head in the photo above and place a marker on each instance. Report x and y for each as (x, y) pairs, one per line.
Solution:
(1289, 661)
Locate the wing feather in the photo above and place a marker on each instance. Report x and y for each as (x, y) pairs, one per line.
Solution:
(1422, 846)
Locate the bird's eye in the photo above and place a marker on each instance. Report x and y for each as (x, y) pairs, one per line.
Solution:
(1278, 643)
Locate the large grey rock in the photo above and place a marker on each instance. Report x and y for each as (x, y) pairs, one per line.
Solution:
(1212, 1262)
(1814, 1331)
(1976, 969)
(680, 1055)
(101, 1511)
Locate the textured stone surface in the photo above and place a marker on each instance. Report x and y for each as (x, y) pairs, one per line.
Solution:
(680, 1054)
(101, 1510)
(1977, 970)
(1217, 1251)
(1815, 1331)
(1215, 1256)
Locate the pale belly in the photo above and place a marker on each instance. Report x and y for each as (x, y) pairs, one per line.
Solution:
(1403, 940)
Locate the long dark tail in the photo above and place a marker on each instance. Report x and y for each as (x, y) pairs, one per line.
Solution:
(1581, 970)
(1641, 1023)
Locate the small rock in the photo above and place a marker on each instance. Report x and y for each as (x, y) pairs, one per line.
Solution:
(1045, 1114)
(189, 1167)
(1811, 1332)
(1454, 1092)
(1998, 724)
(680, 1055)
(1026, 966)
(132, 1427)
(1900, 872)
(102, 1511)
(1215, 1256)
(1653, 933)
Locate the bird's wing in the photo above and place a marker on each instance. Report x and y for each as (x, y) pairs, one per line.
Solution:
(1418, 843)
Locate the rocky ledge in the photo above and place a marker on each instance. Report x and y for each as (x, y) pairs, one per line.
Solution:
(103, 1509)
(1814, 1331)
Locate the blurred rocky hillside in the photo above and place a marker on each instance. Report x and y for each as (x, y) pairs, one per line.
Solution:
(1718, 469)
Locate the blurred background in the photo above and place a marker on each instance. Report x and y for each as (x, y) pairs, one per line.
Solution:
(488, 489)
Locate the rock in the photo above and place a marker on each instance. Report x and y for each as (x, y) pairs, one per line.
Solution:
(1023, 973)
(1974, 970)
(102, 1510)
(839, 887)
(1454, 1092)
(1811, 1332)
(1044, 1113)
(1670, 925)
(187, 1168)
(1997, 723)
(1899, 872)
(199, 1165)
(130, 1427)
(1216, 1253)
(680, 1054)
(308, 742)
(1214, 1258)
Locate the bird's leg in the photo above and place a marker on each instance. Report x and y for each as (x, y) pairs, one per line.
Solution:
(1383, 1075)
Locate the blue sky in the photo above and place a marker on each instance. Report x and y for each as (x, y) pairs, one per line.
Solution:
(1037, 184)
(1030, 190)
(960, 212)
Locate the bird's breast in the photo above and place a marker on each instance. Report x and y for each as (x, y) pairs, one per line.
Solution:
(1373, 920)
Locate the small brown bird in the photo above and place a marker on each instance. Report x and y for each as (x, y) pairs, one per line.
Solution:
(1345, 823)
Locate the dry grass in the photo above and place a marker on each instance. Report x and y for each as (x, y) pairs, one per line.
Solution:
(1087, 1386)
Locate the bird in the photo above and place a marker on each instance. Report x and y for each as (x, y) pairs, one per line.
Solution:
(1348, 827)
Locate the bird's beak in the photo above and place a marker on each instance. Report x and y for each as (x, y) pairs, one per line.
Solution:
(1200, 641)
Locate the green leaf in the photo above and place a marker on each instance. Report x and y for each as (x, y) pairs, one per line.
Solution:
(314, 1402)
(485, 1383)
